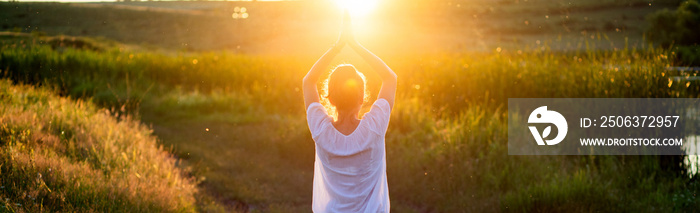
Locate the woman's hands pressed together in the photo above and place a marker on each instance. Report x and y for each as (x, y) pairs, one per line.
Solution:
(347, 37)
(346, 34)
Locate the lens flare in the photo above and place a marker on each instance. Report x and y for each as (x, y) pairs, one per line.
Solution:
(358, 8)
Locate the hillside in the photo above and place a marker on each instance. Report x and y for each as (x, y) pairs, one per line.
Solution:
(63, 155)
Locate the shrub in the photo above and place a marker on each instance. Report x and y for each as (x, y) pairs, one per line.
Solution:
(676, 27)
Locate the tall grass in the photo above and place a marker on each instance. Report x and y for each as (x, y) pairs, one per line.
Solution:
(62, 155)
(447, 138)
(114, 77)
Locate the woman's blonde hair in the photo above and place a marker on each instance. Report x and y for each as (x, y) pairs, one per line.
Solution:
(344, 88)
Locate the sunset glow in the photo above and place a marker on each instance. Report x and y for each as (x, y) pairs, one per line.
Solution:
(358, 8)
(349, 105)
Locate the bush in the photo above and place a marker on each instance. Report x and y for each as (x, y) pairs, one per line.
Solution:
(688, 55)
(61, 155)
(677, 27)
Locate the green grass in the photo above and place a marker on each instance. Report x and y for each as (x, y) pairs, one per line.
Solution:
(449, 156)
(62, 155)
(238, 121)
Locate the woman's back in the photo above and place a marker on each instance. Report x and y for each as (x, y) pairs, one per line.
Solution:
(350, 170)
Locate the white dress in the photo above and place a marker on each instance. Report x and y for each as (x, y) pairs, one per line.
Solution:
(350, 170)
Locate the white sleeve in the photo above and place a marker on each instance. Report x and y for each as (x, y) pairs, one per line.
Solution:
(317, 118)
(378, 116)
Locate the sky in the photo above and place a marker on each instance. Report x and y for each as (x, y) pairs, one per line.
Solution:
(85, 1)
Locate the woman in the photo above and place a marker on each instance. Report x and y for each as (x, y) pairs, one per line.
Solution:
(350, 163)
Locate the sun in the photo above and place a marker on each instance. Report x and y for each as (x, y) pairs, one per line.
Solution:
(358, 8)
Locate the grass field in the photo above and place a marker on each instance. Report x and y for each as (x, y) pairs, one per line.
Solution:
(235, 118)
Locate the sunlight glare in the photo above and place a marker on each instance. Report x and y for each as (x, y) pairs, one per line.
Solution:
(357, 8)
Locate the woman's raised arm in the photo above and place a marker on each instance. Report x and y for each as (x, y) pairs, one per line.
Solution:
(311, 78)
(389, 79)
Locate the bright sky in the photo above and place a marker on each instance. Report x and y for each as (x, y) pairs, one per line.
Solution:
(79, 1)
(65, 1)
(357, 8)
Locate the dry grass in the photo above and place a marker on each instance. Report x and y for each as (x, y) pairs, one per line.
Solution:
(57, 154)
(238, 120)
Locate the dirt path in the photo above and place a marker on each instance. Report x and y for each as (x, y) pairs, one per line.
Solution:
(245, 167)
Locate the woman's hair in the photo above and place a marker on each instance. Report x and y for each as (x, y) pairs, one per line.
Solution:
(343, 89)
